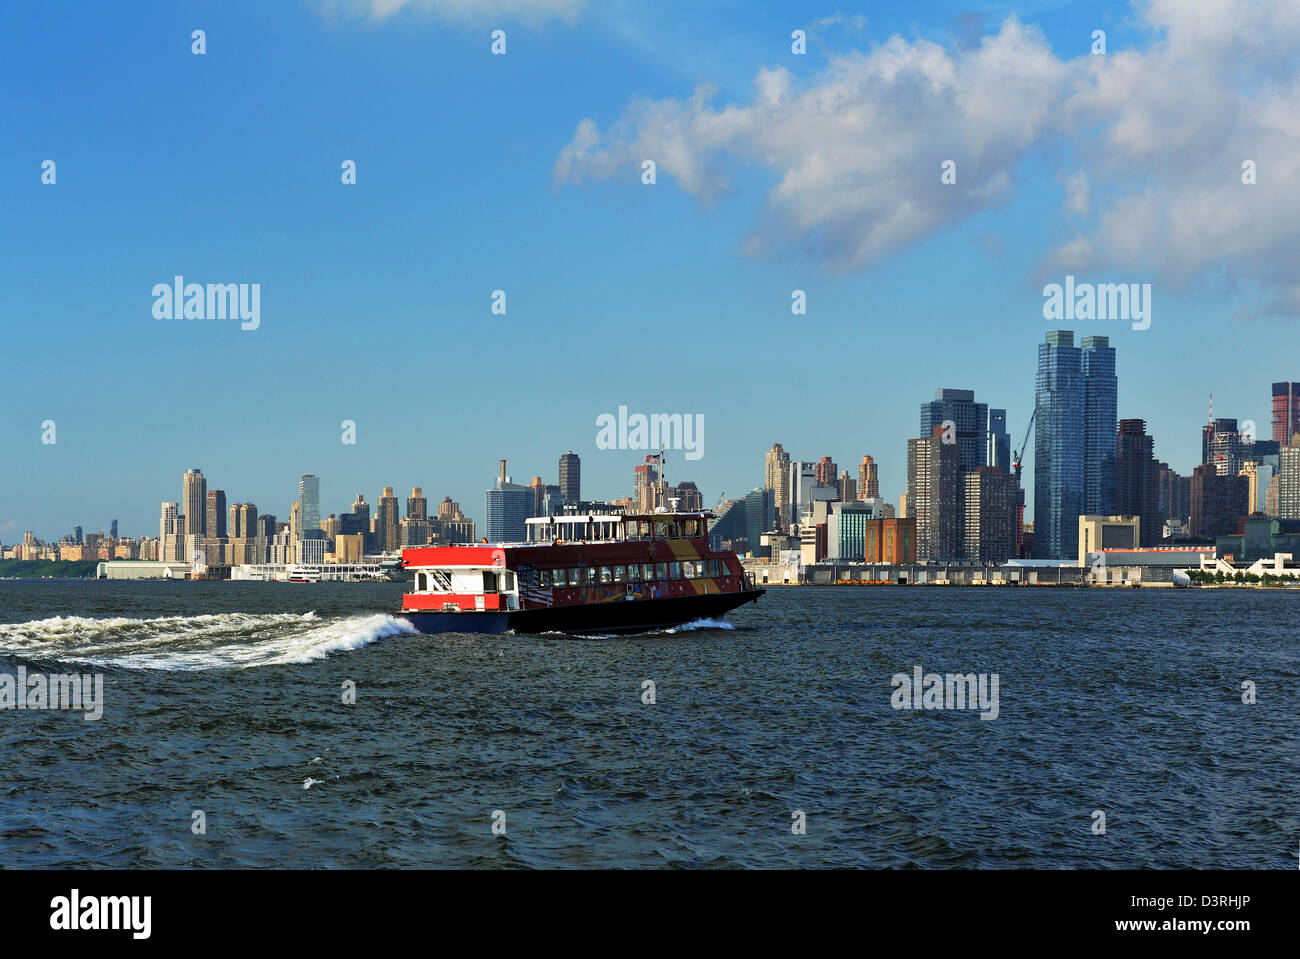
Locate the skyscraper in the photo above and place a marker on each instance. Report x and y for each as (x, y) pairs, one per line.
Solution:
(777, 479)
(1218, 502)
(1058, 447)
(1286, 411)
(999, 441)
(1100, 404)
(868, 482)
(827, 471)
(113, 529)
(1137, 480)
(969, 419)
(309, 497)
(990, 496)
(194, 501)
(571, 477)
(417, 504)
(215, 525)
(387, 525)
(934, 495)
(1288, 480)
(505, 510)
(848, 487)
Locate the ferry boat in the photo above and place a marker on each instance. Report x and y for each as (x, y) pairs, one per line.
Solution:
(583, 574)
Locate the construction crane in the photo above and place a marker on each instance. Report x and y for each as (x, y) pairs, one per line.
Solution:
(1020, 453)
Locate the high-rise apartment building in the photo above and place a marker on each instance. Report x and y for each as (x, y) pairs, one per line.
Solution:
(570, 477)
(1058, 447)
(934, 495)
(1100, 404)
(1288, 480)
(970, 423)
(1137, 480)
(989, 501)
(826, 471)
(387, 522)
(868, 479)
(417, 504)
(309, 497)
(777, 479)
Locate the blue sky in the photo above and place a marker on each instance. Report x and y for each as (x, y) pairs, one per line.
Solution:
(775, 172)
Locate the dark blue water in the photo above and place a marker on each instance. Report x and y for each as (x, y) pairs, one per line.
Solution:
(227, 698)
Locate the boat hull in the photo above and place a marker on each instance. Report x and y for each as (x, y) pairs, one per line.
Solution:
(636, 616)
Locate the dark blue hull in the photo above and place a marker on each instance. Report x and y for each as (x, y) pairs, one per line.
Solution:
(636, 616)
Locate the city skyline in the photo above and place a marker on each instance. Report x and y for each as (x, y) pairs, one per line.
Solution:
(382, 292)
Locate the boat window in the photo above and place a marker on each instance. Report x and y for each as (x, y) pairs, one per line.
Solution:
(673, 531)
(674, 570)
(589, 575)
(507, 580)
(629, 531)
(661, 529)
(489, 582)
(688, 569)
(575, 575)
(661, 570)
(634, 573)
(544, 578)
(715, 567)
(605, 574)
(620, 574)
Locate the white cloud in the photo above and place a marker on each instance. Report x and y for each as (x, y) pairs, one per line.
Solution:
(1154, 138)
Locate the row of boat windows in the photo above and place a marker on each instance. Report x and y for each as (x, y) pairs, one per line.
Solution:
(631, 530)
(631, 573)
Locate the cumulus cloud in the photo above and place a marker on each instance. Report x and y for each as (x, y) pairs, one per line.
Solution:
(1154, 140)
(462, 11)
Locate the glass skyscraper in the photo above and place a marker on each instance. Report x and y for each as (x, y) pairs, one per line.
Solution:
(309, 497)
(1100, 421)
(1058, 447)
(999, 441)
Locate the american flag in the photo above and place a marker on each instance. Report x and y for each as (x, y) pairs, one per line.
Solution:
(652, 457)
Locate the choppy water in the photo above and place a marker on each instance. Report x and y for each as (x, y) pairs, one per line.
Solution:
(226, 698)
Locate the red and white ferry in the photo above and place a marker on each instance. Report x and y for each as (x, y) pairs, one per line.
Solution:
(578, 574)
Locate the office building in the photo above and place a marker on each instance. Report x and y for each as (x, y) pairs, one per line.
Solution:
(570, 477)
(505, 510)
(194, 501)
(1286, 412)
(999, 441)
